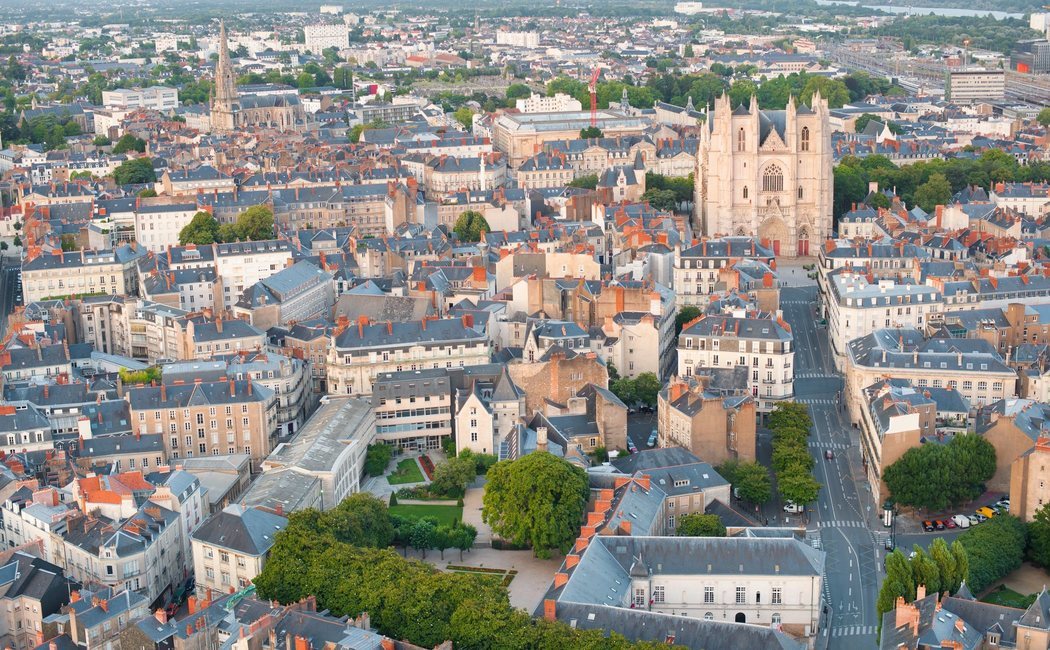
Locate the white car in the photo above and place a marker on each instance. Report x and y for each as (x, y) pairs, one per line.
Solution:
(962, 521)
(793, 508)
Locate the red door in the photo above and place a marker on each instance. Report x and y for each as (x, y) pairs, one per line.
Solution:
(803, 248)
(776, 247)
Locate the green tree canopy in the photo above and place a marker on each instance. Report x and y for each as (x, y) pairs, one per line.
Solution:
(377, 458)
(586, 182)
(465, 116)
(935, 476)
(202, 230)
(538, 500)
(1044, 117)
(685, 315)
(255, 223)
(453, 475)
(750, 480)
(1039, 537)
(129, 142)
(935, 191)
(993, 550)
(700, 525)
(790, 415)
(589, 132)
(471, 226)
(135, 171)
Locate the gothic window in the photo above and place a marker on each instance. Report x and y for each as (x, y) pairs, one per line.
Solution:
(805, 138)
(773, 179)
(741, 140)
(800, 192)
(745, 191)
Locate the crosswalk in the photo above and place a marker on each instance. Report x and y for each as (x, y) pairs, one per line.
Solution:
(842, 523)
(816, 400)
(853, 630)
(816, 375)
(815, 444)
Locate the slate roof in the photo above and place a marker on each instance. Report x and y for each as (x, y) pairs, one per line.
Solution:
(250, 531)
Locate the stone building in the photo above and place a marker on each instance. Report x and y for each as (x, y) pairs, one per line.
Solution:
(714, 426)
(766, 172)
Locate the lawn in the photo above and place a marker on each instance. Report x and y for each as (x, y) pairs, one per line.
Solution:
(1009, 598)
(445, 514)
(407, 472)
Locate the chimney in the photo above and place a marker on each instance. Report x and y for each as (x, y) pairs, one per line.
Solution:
(468, 320)
(218, 325)
(161, 616)
(541, 438)
(163, 393)
(550, 609)
(233, 389)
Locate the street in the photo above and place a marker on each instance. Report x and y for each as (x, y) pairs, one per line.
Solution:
(8, 289)
(844, 517)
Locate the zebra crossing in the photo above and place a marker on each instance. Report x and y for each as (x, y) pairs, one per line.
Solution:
(842, 523)
(815, 375)
(853, 630)
(814, 444)
(815, 400)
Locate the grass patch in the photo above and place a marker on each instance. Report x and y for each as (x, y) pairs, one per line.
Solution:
(407, 472)
(1009, 598)
(446, 515)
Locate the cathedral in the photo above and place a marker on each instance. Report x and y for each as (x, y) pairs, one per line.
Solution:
(229, 111)
(766, 174)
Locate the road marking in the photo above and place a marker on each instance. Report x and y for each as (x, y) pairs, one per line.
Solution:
(853, 630)
(836, 523)
(816, 444)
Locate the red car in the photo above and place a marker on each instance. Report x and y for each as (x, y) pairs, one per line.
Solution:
(928, 526)
(949, 523)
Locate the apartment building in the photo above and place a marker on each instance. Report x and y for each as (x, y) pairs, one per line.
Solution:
(203, 337)
(324, 36)
(413, 408)
(761, 342)
(207, 418)
(896, 418)
(1013, 427)
(975, 84)
(878, 259)
(238, 265)
(709, 423)
(25, 428)
(30, 591)
(95, 619)
(157, 225)
(155, 98)
(231, 548)
(857, 305)
(288, 377)
(300, 292)
(152, 331)
(360, 352)
(697, 269)
(1029, 489)
(59, 274)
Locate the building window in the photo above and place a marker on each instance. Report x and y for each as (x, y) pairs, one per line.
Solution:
(799, 192)
(741, 140)
(745, 191)
(777, 596)
(709, 616)
(670, 522)
(773, 179)
(658, 594)
(775, 619)
(709, 594)
(639, 597)
(805, 139)
(741, 595)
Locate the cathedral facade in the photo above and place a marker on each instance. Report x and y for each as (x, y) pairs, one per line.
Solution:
(766, 174)
(230, 111)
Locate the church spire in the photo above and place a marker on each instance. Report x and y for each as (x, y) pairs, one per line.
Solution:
(225, 84)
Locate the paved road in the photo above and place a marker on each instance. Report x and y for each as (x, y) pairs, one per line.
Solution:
(844, 518)
(8, 289)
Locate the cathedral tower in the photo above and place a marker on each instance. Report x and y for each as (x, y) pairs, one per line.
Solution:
(224, 95)
(766, 174)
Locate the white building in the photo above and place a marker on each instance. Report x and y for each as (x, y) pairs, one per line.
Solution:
(157, 227)
(537, 103)
(975, 84)
(857, 307)
(231, 548)
(321, 37)
(157, 98)
(529, 40)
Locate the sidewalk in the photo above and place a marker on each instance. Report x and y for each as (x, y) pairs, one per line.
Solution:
(528, 586)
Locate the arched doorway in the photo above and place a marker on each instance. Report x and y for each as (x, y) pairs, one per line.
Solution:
(772, 232)
(741, 618)
(803, 243)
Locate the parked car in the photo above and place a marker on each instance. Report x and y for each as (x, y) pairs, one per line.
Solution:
(889, 544)
(793, 508)
(948, 523)
(938, 524)
(962, 521)
(987, 512)
(973, 520)
(652, 439)
(928, 526)
(631, 447)
(980, 517)
(1005, 505)
(830, 455)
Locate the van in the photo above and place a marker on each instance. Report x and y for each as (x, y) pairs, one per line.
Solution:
(986, 512)
(962, 521)
(793, 508)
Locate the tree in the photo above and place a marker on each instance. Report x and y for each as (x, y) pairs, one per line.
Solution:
(925, 571)
(129, 142)
(647, 388)
(1039, 537)
(202, 230)
(660, 199)
(936, 191)
(993, 550)
(147, 193)
(590, 132)
(962, 561)
(464, 537)
(378, 456)
(833, 90)
(790, 415)
(1044, 117)
(797, 485)
(700, 525)
(586, 182)
(69, 242)
(255, 223)
(465, 116)
(536, 500)
(947, 566)
(518, 91)
(899, 583)
(101, 141)
(937, 476)
(136, 171)
(471, 226)
(452, 476)
(741, 91)
(685, 315)
(360, 519)
(422, 535)
(751, 483)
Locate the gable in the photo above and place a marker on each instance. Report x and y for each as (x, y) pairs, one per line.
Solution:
(773, 141)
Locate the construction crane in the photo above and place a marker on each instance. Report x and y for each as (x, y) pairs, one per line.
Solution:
(593, 88)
